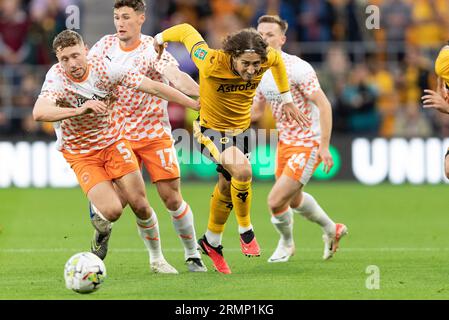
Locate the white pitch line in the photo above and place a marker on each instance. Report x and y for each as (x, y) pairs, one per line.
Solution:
(130, 250)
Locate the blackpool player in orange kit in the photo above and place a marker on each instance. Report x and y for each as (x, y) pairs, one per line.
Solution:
(147, 126)
(300, 150)
(79, 94)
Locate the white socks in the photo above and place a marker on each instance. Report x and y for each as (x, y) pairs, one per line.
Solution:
(183, 222)
(100, 223)
(283, 223)
(149, 232)
(213, 238)
(312, 211)
(244, 229)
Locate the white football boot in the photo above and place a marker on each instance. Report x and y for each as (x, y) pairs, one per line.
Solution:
(162, 266)
(282, 253)
(331, 241)
(195, 264)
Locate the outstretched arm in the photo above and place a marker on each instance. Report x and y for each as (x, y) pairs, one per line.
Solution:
(168, 93)
(323, 104)
(202, 56)
(47, 110)
(258, 109)
(184, 33)
(182, 81)
(280, 76)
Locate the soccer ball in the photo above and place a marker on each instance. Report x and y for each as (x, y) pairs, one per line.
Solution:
(84, 272)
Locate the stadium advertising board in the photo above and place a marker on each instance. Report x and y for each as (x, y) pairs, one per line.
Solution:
(38, 164)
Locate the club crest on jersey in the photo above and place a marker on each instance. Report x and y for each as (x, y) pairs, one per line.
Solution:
(85, 177)
(200, 53)
(136, 62)
(100, 86)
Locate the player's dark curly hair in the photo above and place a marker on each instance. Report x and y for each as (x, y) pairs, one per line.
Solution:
(243, 41)
(137, 5)
(65, 39)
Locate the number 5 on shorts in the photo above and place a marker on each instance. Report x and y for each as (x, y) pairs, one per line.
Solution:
(126, 154)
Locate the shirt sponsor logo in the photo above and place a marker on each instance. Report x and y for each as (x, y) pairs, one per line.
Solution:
(81, 100)
(237, 87)
(100, 85)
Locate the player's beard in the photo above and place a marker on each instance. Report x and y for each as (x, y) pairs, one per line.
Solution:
(79, 72)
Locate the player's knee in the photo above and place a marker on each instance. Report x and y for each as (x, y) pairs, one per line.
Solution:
(172, 201)
(296, 200)
(112, 213)
(243, 173)
(275, 203)
(141, 207)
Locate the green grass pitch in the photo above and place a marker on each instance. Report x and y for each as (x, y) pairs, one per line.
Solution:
(402, 230)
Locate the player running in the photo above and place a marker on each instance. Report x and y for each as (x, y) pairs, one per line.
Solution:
(147, 125)
(80, 93)
(299, 150)
(439, 99)
(228, 81)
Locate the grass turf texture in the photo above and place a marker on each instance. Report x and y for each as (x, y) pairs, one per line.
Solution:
(400, 229)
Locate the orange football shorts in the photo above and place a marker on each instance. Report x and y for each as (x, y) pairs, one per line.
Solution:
(297, 162)
(158, 156)
(110, 163)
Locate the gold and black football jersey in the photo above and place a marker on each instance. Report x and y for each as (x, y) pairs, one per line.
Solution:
(225, 98)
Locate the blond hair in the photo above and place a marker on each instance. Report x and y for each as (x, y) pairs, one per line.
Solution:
(283, 24)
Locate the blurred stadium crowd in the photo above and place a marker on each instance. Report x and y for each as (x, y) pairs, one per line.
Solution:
(374, 78)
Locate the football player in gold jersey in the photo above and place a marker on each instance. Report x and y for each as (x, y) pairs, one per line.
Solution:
(228, 79)
(439, 99)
